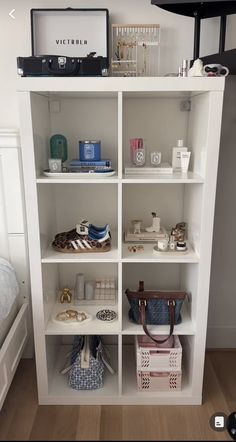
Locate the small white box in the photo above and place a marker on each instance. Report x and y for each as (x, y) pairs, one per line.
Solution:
(55, 164)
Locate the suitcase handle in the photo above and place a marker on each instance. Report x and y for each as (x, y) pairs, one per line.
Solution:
(62, 72)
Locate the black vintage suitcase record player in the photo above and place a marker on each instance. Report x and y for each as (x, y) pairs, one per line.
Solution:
(67, 43)
(61, 66)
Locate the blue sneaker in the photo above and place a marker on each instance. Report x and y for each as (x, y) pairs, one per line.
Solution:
(85, 238)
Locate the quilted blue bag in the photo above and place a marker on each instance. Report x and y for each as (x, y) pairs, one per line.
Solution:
(148, 307)
(87, 364)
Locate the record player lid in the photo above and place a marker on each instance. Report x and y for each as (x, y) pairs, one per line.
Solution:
(206, 9)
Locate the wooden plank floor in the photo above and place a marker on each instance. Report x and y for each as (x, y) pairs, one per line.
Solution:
(22, 419)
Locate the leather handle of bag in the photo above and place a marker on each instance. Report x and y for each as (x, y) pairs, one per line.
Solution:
(142, 306)
(141, 286)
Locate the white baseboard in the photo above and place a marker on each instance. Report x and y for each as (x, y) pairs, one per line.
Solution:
(221, 336)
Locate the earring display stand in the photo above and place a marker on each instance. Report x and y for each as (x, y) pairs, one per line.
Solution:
(135, 50)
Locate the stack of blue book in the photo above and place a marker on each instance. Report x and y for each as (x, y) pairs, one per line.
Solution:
(90, 159)
(100, 166)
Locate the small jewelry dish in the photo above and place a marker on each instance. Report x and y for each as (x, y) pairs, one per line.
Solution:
(71, 316)
(136, 248)
(106, 315)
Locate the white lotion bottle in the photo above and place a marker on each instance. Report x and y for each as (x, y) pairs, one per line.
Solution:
(176, 155)
(184, 160)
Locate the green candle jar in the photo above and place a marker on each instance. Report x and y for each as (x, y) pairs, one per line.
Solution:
(58, 147)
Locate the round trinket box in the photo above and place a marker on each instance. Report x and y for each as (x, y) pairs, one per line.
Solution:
(106, 315)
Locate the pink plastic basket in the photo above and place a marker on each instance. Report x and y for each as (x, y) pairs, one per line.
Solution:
(159, 381)
(154, 357)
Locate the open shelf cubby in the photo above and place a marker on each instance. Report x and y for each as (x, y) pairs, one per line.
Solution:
(57, 349)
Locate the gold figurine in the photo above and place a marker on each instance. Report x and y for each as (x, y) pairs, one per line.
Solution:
(66, 296)
(179, 231)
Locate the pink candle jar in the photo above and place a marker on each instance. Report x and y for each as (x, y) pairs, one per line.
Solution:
(137, 151)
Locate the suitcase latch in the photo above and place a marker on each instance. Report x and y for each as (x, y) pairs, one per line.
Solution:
(62, 62)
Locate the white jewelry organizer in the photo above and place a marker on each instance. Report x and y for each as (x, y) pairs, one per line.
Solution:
(135, 50)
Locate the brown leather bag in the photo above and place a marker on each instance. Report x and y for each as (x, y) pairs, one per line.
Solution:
(149, 307)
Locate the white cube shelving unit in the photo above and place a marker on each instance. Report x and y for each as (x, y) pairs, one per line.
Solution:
(115, 110)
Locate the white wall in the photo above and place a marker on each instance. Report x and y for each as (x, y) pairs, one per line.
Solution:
(176, 44)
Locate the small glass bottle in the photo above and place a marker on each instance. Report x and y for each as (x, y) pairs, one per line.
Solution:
(172, 243)
(89, 290)
(79, 288)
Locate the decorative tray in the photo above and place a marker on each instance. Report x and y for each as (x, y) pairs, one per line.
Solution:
(96, 175)
(156, 251)
(72, 320)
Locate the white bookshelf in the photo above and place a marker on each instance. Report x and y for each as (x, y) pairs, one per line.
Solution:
(115, 110)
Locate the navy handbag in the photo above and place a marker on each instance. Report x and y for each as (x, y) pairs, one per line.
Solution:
(149, 307)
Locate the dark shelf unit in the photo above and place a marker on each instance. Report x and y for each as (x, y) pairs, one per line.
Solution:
(199, 11)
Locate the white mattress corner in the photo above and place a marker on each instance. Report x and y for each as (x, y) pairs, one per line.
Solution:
(6, 323)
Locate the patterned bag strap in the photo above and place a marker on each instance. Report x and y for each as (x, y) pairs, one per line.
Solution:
(85, 354)
(66, 369)
(142, 309)
(104, 355)
(72, 354)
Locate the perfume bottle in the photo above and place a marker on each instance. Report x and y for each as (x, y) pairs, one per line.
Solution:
(172, 243)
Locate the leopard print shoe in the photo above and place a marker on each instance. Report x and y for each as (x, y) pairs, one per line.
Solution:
(85, 238)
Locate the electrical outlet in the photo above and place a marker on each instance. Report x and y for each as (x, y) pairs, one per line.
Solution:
(185, 105)
(54, 106)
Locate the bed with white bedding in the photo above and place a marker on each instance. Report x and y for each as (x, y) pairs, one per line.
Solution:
(9, 297)
(14, 287)
(5, 324)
